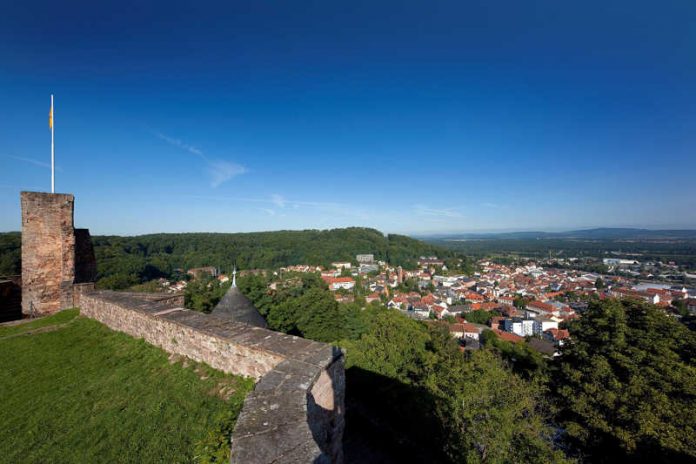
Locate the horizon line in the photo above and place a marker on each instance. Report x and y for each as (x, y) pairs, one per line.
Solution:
(412, 234)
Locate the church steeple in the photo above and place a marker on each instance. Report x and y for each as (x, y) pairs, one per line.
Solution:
(234, 276)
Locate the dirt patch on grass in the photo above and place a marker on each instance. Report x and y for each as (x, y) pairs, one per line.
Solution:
(176, 358)
(225, 390)
(38, 330)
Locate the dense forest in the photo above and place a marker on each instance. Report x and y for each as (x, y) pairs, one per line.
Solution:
(126, 261)
(10, 253)
(623, 389)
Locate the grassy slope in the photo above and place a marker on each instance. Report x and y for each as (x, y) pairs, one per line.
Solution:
(84, 393)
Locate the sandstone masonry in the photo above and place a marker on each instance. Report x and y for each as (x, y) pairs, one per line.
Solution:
(296, 412)
(55, 255)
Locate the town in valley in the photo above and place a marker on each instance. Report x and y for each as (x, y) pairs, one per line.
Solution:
(528, 302)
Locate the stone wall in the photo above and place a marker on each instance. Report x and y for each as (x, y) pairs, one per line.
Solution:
(296, 412)
(55, 256)
(79, 290)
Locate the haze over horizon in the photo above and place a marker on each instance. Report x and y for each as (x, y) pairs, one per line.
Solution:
(409, 117)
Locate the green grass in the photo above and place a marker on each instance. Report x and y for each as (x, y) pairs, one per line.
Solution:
(75, 391)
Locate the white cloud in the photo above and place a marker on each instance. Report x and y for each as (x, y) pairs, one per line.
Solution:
(220, 171)
(442, 212)
(179, 144)
(278, 200)
(330, 209)
(32, 161)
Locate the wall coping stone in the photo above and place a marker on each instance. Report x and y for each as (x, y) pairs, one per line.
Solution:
(295, 413)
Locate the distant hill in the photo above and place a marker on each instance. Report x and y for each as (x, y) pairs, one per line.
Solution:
(678, 246)
(125, 261)
(604, 233)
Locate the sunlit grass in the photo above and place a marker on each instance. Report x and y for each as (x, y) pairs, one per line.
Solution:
(71, 390)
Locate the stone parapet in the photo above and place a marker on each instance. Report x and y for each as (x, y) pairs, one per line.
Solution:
(296, 412)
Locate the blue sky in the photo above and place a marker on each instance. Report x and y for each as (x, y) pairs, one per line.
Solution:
(406, 116)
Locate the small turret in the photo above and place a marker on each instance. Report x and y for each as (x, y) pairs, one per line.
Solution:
(237, 307)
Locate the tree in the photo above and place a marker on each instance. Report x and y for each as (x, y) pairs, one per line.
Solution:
(255, 287)
(462, 408)
(599, 283)
(520, 302)
(487, 413)
(480, 316)
(393, 346)
(318, 316)
(409, 285)
(523, 359)
(681, 308)
(10, 254)
(626, 384)
(204, 294)
(118, 281)
(314, 314)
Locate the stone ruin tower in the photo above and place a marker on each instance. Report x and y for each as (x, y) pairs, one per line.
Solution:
(58, 261)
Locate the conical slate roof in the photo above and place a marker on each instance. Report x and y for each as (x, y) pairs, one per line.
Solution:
(235, 306)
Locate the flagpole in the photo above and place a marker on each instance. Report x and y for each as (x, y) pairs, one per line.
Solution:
(53, 153)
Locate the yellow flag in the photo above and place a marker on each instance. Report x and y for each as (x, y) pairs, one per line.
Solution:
(50, 118)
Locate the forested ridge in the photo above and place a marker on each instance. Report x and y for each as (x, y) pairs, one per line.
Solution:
(126, 261)
(10, 253)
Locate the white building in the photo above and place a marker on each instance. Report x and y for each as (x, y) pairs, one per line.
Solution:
(336, 283)
(542, 325)
(365, 259)
(619, 262)
(341, 265)
(521, 327)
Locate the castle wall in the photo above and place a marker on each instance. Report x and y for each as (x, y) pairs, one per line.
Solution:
(48, 251)
(179, 331)
(296, 411)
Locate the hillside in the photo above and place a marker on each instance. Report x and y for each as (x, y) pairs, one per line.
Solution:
(125, 261)
(602, 233)
(660, 245)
